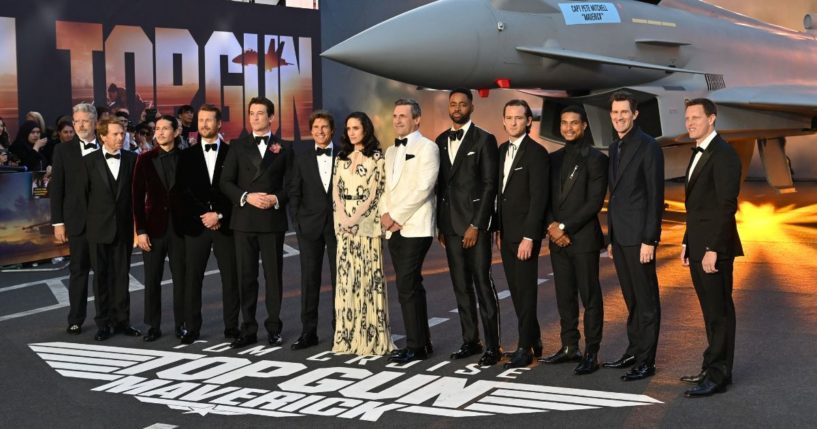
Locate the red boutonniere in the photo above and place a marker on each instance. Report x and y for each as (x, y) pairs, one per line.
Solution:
(275, 148)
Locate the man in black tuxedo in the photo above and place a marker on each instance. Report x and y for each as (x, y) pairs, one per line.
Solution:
(206, 218)
(578, 184)
(310, 193)
(109, 226)
(634, 224)
(157, 212)
(254, 180)
(69, 209)
(522, 204)
(711, 242)
(466, 192)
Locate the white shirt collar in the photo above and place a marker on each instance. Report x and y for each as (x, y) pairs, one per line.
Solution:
(411, 137)
(705, 143)
(518, 140)
(464, 128)
(329, 146)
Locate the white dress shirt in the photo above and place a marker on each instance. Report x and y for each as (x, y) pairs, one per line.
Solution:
(113, 163)
(88, 151)
(704, 144)
(263, 147)
(210, 156)
(325, 166)
(454, 145)
(509, 156)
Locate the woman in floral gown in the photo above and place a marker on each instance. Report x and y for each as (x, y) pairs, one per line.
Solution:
(361, 305)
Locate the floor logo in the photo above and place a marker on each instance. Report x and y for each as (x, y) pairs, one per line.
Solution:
(203, 384)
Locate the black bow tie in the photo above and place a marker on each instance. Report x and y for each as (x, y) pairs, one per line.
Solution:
(399, 142)
(321, 151)
(455, 135)
(697, 150)
(261, 139)
(211, 146)
(116, 156)
(89, 146)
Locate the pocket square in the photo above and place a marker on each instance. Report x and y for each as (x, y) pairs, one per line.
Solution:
(518, 168)
(409, 156)
(470, 153)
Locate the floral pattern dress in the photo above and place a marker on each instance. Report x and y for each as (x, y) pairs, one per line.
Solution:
(361, 304)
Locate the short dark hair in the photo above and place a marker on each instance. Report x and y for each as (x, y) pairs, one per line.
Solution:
(264, 101)
(121, 114)
(370, 142)
(322, 114)
(464, 91)
(709, 107)
(101, 109)
(184, 109)
(625, 96)
(211, 108)
(416, 112)
(171, 119)
(575, 108)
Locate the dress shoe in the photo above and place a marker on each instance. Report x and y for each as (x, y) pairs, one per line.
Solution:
(490, 357)
(231, 333)
(565, 354)
(180, 331)
(74, 329)
(522, 357)
(152, 335)
(189, 337)
(624, 361)
(588, 365)
(694, 379)
(275, 340)
(706, 387)
(305, 341)
(639, 373)
(244, 341)
(103, 334)
(467, 349)
(126, 330)
(407, 355)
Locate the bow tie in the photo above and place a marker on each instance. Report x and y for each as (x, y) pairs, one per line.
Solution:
(261, 139)
(321, 151)
(697, 150)
(455, 135)
(89, 146)
(211, 146)
(399, 142)
(114, 156)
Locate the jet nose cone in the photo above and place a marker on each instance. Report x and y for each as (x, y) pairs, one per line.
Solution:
(436, 45)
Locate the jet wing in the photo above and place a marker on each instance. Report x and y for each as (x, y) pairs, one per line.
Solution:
(564, 54)
(786, 98)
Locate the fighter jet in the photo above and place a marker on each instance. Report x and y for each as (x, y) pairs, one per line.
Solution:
(665, 52)
(272, 58)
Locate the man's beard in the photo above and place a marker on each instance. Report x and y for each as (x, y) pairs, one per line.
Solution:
(463, 119)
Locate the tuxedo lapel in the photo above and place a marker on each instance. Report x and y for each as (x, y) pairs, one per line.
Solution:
(222, 154)
(465, 146)
(105, 174)
(157, 168)
(520, 152)
(124, 171)
(700, 165)
(570, 180)
(628, 152)
(503, 152)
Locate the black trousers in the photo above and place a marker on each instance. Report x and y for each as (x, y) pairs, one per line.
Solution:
(471, 277)
(270, 245)
(111, 264)
(311, 255)
(715, 295)
(407, 256)
(197, 253)
(170, 245)
(639, 285)
(79, 267)
(577, 276)
(523, 279)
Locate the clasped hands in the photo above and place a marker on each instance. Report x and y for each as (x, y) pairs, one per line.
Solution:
(389, 224)
(558, 236)
(261, 200)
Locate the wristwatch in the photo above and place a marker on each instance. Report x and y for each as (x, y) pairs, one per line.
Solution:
(562, 226)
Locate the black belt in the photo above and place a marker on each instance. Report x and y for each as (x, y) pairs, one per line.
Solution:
(352, 197)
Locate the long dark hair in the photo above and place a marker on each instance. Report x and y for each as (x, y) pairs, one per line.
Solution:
(4, 136)
(25, 130)
(370, 142)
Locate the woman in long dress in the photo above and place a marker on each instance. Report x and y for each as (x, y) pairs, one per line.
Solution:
(361, 305)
